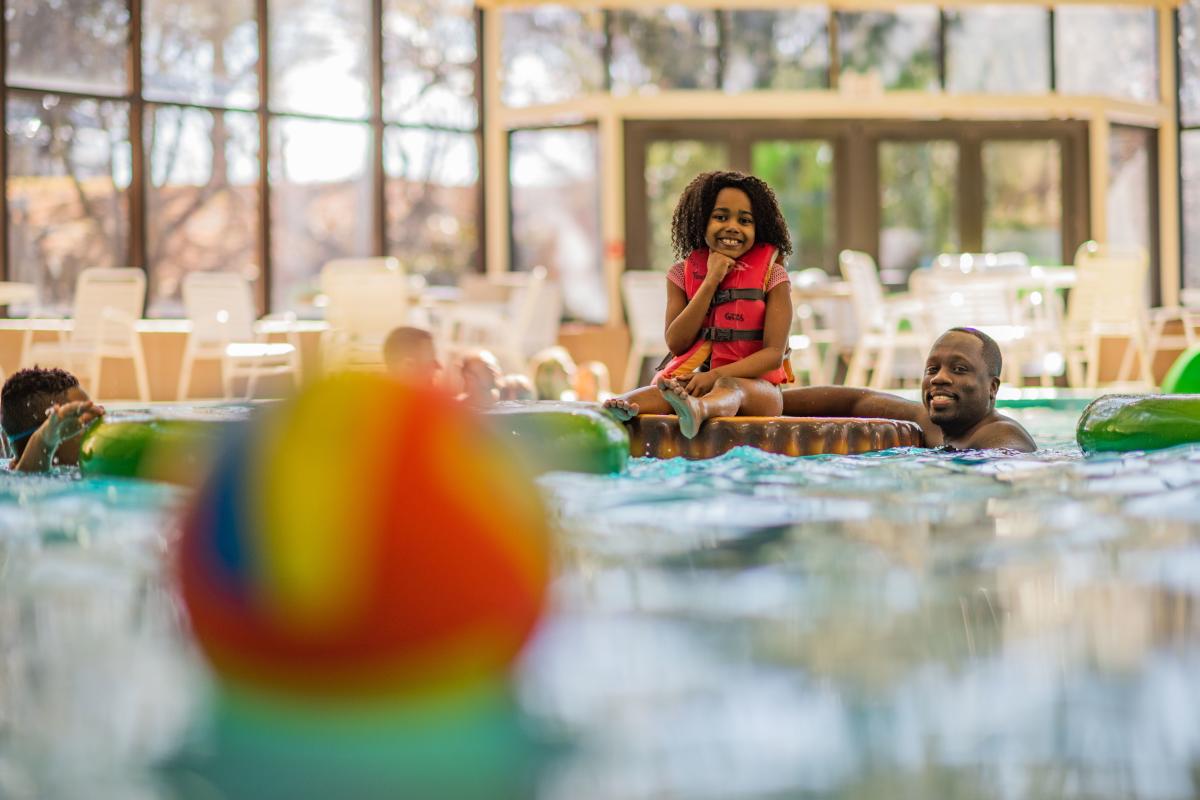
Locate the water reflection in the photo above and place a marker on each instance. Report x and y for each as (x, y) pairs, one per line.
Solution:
(903, 624)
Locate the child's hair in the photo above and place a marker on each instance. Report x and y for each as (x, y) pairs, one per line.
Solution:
(401, 342)
(25, 397)
(696, 204)
(517, 387)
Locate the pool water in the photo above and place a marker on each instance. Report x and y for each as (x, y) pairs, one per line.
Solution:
(904, 624)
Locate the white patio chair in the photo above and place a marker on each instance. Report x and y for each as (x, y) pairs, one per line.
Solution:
(364, 300)
(982, 262)
(221, 308)
(108, 304)
(513, 331)
(1107, 301)
(1186, 316)
(880, 322)
(645, 296)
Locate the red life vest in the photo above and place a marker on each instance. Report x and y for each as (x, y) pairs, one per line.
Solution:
(733, 328)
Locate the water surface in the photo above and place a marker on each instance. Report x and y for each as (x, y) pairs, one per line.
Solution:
(904, 624)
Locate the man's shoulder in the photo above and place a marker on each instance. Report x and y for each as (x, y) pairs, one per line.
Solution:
(1001, 432)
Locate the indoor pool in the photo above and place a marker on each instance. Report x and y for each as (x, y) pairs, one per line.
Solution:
(907, 624)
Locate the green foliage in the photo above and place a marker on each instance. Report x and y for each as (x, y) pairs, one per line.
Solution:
(800, 172)
(670, 166)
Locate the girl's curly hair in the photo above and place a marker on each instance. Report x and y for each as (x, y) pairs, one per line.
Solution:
(696, 205)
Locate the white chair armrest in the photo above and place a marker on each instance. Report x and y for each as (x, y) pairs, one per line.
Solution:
(904, 303)
(899, 308)
(115, 315)
(283, 322)
(1166, 313)
(476, 313)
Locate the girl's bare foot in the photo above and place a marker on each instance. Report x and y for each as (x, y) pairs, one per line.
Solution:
(622, 409)
(686, 407)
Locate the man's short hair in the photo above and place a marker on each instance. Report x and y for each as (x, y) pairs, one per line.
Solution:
(25, 397)
(402, 341)
(991, 350)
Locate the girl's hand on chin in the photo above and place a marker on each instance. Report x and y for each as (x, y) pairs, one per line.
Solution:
(718, 266)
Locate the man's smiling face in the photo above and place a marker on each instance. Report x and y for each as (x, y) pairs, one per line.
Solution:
(957, 389)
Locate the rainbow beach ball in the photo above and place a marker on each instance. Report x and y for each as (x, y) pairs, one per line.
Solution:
(362, 541)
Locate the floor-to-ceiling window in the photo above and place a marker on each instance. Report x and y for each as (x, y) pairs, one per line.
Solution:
(259, 136)
(553, 54)
(555, 222)
(1189, 155)
(904, 184)
(68, 140)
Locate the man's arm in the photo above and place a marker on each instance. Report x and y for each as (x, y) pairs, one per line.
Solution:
(848, 401)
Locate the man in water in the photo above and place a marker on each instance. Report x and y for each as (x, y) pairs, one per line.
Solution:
(958, 398)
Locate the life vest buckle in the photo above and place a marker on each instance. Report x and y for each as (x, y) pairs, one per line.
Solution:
(724, 296)
(720, 334)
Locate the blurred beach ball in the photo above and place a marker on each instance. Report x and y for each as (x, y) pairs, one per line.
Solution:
(365, 538)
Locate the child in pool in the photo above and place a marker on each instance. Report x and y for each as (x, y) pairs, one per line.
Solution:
(553, 372)
(729, 307)
(42, 413)
(592, 383)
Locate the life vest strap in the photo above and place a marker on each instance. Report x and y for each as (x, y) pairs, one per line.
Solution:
(731, 334)
(723, 296)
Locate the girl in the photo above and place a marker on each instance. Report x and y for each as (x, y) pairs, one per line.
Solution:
(729, 307)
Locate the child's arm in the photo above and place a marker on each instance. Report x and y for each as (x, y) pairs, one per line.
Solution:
(684, 318)
(776, 326)
(62, 422)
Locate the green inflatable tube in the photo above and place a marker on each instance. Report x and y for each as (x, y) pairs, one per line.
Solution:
(562, 436)
(1139, 422)
(1184, 375)
(171, 450)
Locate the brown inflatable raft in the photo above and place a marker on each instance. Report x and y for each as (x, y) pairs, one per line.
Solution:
(658, 436)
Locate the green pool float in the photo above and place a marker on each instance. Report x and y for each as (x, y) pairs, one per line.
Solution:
(562, 436)
(1117, 422)
(171, 450)
(1184, 375)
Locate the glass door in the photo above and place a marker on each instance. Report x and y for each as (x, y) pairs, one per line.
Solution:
(918, 205)
(671, 164)
(1023, 198)
(801, 173)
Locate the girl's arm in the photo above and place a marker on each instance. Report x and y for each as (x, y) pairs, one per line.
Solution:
(776, 327)
(685, 319)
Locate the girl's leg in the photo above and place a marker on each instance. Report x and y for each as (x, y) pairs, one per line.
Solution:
(729, 397)
(759, 398)
(646, 400)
